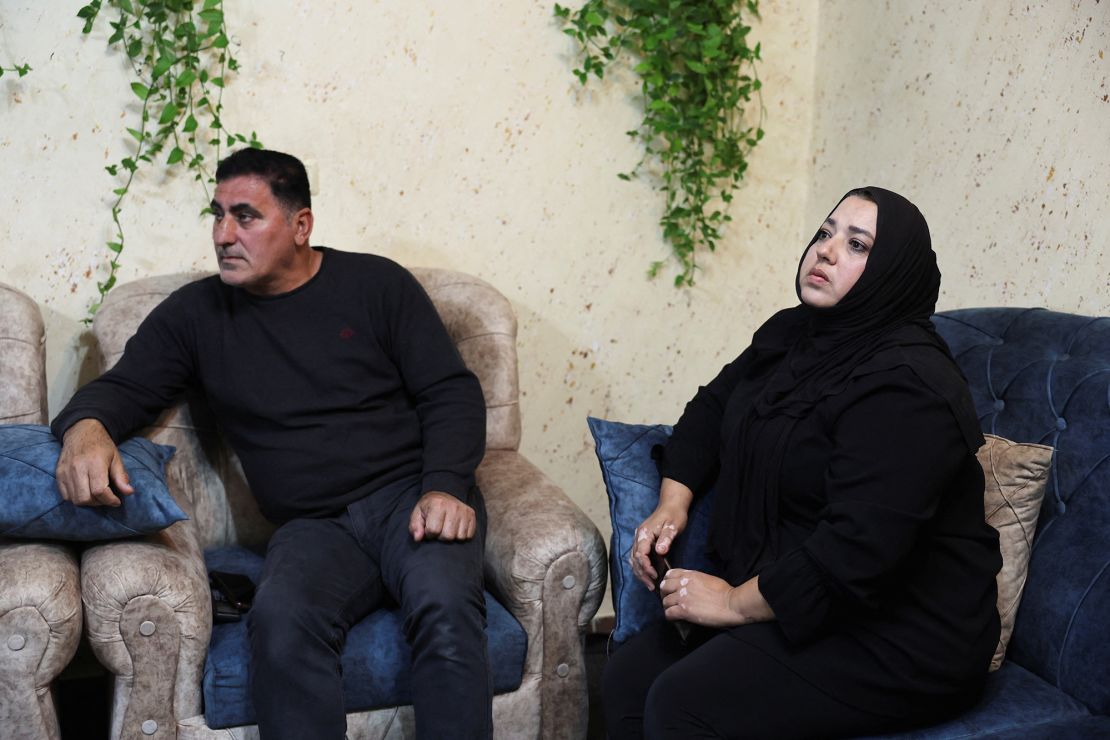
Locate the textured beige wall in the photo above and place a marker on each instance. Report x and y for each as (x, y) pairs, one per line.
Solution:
(452, 134)
(439, 133)
(994, 118)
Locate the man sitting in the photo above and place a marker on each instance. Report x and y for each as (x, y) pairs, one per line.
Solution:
(359, 429)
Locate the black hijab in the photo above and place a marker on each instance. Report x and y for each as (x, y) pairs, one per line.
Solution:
(803, 354)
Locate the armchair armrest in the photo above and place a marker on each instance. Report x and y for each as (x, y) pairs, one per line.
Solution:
(545, 560)
(40, 625)
(148, 614)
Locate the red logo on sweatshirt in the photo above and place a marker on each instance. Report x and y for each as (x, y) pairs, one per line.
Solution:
(346, 332)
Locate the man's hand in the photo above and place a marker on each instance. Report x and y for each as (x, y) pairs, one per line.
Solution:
(90, 466)
(441, 516)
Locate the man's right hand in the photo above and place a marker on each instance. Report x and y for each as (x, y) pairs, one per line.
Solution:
(90, 466)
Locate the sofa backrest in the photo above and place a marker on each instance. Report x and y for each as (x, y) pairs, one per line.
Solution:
(22, 359)
(1044, 376)
(205, 475)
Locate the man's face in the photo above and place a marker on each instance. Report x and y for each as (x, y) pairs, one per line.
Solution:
(259, 245)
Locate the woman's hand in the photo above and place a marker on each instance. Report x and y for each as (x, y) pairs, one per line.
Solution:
(697, 597)
(659, 530)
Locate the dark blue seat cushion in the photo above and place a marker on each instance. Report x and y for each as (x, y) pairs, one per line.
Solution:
(34, 508)
(1013, 702)
(632, 483)
(376, 658)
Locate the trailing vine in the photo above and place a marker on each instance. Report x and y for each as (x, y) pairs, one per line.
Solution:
(179, 56)
(20, 69)
(697, 74)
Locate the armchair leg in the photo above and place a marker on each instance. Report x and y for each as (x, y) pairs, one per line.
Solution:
(26, 712)
(151, 635)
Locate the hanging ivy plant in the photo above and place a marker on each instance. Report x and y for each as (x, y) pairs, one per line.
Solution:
(698, 74)
(179, 55)
(20, 69)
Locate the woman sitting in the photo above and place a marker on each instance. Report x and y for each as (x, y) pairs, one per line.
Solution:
(856, 587)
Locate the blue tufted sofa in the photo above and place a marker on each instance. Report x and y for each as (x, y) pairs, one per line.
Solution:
(1043, 376)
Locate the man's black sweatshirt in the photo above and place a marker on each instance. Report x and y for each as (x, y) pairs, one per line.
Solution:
(327, 393)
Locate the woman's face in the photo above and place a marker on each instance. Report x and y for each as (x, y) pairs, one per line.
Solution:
(835, 261)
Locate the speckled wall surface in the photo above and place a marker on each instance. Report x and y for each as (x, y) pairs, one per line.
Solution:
(452, 134)
(442, 134)
(994, 117)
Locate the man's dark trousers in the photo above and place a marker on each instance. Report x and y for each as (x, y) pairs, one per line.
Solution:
(323, 575)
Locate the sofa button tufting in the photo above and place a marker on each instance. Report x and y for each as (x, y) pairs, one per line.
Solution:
(563, 670)
(1063, 357)
(999, 404)
(147, 628)
(150, 727)
(999, 341)
(568, 582)
(1061, 424)
(16, 642)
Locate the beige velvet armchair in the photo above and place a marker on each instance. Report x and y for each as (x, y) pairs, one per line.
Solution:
(147, 602)
(40, 601)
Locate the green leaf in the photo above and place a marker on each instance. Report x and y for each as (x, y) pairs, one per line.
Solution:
(142, 92)
(169, 113)
(696, 66)
(162, 66)
(186, 78)
(593, 18)
(212, 15)
(190, 124)
(136, 134)
(175, 156)
(116, 247)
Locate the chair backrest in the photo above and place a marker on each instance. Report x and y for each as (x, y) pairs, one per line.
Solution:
(22, 359)
(1044, 376)
(205, 474)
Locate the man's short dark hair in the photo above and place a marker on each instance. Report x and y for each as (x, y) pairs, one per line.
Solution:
(283, 172)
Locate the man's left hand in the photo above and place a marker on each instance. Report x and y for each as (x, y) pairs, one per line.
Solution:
(441, 516)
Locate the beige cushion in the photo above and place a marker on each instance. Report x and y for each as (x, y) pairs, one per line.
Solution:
(1016, 474)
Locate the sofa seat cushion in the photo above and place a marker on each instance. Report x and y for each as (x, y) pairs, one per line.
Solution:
(1093, 727)
(376, 659)
(1015, 701)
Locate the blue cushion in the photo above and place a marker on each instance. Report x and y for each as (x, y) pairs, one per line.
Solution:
(632, 483)
(34, 508)
(376, 658)
(1014, 701)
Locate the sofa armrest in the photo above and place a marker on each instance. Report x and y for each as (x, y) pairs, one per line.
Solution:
(148, 614)
(40, 625)
(545, 560)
